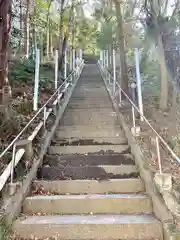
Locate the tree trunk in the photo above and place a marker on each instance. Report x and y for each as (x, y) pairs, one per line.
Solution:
(123, 65)
(20, 25)
(173, 116)
(59, 47)
(34, 40)
(47, 38)
(66, 36)
(5, 27)
(42, 45)
(26, 30)
(161, 54)
(34, 35)
(109, 56)
(48, 30)
(51, 45)
(164, 75)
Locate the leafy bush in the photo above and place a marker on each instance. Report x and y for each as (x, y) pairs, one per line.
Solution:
(21, 71)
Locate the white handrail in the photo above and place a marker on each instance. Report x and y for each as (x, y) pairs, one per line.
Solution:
(33, 118)
(144, 118)
(17, 156)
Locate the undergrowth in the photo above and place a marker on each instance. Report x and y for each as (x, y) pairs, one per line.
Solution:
(4, 231)
(21, 79)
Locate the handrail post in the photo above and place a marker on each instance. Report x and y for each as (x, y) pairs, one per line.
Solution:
(158, 155)
(36, 81)
(138, 77)
(44, 117)
(71, 62)
(133, 118)
(56, 69)
(107, 62)
(74, 58)
(120, 97)
(135, 129)
(114, 71)
(101, 57)
(13, 162)
(80, 53)
(65, 64)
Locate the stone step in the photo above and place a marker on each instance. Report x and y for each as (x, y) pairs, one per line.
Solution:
(88, 121)
(88, 160)
(86, 204)
(101, 172)
(94, 101)
(139, 227)
(75, 118)
(90, 92)
(85, 142)
(89, 132)
(131, 185)
(86, 88)
(96, 111)
(88, 106)
(90, 149)
(84, 98)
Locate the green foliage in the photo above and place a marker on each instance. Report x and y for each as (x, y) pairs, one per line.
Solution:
(22, 74)
(4, 231)
(86, 34)
(21, 71)
(105, 37)
(24, 107)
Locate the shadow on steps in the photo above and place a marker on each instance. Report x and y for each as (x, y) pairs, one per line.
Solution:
(88, 160)
(86, 172)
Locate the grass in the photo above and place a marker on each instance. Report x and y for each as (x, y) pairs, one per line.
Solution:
(4, 231)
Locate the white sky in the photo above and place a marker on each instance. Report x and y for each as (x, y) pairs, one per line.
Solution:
(170, 7)
(89, 7)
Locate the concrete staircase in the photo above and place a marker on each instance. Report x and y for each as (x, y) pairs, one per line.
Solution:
(89, 186)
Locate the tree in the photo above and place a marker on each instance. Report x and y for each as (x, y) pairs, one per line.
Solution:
(154, 16)
(112, 34)
(26, 29)
(123, 64)
(5, 28)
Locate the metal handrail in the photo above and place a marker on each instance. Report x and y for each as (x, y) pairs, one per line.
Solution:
(7, 171)
(144, 118)
(34, 117)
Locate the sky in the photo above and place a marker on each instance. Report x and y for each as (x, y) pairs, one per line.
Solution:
(88, 8)
(170, 8)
